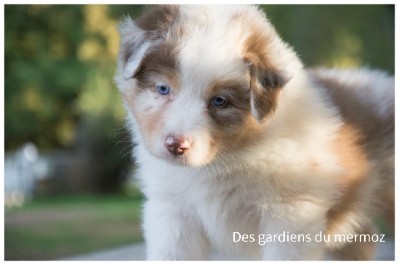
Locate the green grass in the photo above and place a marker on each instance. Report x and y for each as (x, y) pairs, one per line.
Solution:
(52, 228)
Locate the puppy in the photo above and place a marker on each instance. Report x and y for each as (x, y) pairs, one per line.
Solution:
(236, 139)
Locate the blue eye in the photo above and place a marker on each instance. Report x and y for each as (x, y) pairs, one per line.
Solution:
(218, 101)
(163, 89)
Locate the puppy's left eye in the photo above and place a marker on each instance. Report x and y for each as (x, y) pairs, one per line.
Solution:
(218, 101)
(163, 89)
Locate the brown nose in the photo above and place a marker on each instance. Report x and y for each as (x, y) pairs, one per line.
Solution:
(177, 145)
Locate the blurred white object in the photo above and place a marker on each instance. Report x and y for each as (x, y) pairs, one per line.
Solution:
(21, 169)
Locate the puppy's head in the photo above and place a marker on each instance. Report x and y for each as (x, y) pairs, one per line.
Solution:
(201, 81)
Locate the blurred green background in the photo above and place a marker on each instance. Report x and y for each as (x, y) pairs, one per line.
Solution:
(64, 114)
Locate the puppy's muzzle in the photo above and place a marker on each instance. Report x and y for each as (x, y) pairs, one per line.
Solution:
(177, 145)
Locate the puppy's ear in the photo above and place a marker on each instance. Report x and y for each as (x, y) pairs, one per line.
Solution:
(266, 81)
(261, 50)
(138, 36)
(133, 47)
(265, 85)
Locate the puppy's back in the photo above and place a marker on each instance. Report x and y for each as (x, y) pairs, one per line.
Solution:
(365, 100)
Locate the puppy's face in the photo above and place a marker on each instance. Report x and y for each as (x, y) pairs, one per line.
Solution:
(199, 82)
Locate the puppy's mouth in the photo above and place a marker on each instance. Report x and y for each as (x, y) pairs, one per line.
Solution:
(181, 160)
(186, 159)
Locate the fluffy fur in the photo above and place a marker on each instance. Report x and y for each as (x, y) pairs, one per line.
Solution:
(295, 150)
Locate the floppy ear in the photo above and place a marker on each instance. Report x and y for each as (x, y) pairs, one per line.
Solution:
(138, 36)
(266, 83)
(133, 47)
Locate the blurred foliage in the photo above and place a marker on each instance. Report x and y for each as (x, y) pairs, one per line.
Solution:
(338, 35)
(59, 90)
(60, 61)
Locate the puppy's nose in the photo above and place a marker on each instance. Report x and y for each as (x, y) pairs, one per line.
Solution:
(177, 145)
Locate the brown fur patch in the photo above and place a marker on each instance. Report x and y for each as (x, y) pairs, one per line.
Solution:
(157, 22)
(266, 80)
(255, 49)
(256, 53)
(376, 135)
(230, 117)
(353, 160)
(234, 126)
(247, 135)
(265, 99)
(160, 61)
(356, 112)
(237, 90)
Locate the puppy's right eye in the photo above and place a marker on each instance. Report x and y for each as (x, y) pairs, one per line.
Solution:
(163, 89)
(218, 101)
